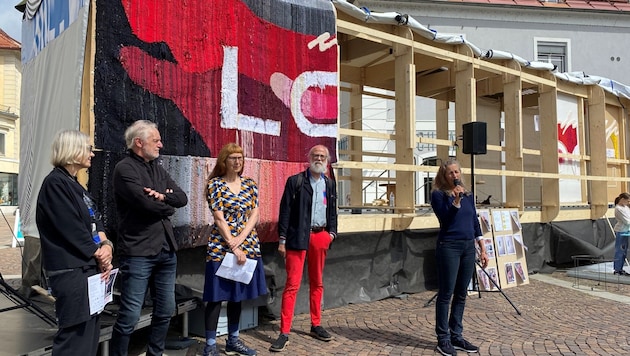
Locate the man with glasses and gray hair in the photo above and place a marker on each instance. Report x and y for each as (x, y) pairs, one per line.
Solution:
(146, 196)
(307, 226)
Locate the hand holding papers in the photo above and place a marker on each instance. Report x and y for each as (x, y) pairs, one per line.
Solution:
(100, 292)
(231, 270)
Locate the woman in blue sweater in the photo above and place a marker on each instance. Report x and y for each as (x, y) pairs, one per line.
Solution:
(455, 253)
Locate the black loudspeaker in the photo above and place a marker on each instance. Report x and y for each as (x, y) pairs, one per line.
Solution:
(475, 138)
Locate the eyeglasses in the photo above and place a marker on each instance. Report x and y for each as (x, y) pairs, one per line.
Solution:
(234, 159)
(90, 148)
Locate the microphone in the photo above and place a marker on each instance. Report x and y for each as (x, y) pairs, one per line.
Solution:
(457, 182)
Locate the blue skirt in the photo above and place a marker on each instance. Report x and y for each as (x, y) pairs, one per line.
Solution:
(218, 289)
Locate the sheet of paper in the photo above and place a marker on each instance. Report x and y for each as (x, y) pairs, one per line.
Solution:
(231, 270)
(519, 239)
(100, 292)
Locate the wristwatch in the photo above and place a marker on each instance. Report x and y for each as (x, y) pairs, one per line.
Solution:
(107, 243)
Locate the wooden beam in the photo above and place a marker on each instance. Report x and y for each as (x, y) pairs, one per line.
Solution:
(366, 153)
(426, 63)
(597, 146)
(513, 110)
(434, 83)
(441, 123)
(350, 132)
(435, 51)
(350, 74)
(465, 103)
(530, 101)
(356, 144)
(481, 171)
(582, 134)
(405, 126)
(357, 49)
(548, 112)
(86, 121)
(381, 72)
(622, 122)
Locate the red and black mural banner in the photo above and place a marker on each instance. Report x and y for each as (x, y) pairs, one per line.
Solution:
(208, 72)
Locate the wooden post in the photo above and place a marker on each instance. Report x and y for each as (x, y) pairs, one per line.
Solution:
(465, 100)
(356, 145)
(548, 112)
(513, 109)
(597, 147)
(405, 126)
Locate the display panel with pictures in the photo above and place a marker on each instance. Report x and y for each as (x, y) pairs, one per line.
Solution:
(484, 282)
(510, 249)
(503, 241)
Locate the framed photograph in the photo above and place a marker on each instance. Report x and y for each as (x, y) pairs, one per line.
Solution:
(483, 279)
(507, 220)
(500, 246)
(492, 272)
(519, 271)
(484, 216)
(509, 245)
(489, 247)
(496, 219)
(509, 273)
(515, 219)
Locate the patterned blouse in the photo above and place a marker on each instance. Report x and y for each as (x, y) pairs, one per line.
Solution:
(236, 210)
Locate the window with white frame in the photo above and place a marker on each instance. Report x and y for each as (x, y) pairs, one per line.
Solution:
(555, 51)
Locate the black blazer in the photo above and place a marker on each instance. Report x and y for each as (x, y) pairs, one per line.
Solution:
(294, 222)
(64, 223)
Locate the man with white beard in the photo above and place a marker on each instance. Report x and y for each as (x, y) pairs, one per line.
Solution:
(307, 226)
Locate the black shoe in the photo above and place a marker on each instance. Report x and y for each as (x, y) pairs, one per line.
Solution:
(280, 343)
(210, 350)
(464, 345)
(622, 273)
(237, 347)
(446, 348)
(320, 333)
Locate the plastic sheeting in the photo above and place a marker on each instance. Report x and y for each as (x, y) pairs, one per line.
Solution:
(360, 267)
(554, 244)
(365, 267)
(395, 18)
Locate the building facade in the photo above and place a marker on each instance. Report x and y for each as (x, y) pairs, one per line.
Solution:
(10, 86)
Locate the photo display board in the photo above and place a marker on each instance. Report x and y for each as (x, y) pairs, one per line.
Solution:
(503, 240)
(509, 248)
(485, 284)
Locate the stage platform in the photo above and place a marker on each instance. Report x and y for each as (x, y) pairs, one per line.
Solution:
(23, 332)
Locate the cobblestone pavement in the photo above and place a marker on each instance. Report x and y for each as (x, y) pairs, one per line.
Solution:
(10, 258)
(556, 319)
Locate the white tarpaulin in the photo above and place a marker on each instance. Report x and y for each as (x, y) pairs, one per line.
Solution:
(51, 93)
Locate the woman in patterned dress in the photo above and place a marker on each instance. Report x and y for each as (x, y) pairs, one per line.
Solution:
(233, 200)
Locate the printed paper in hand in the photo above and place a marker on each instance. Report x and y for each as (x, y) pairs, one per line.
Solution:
(231, 270)
(100, 292)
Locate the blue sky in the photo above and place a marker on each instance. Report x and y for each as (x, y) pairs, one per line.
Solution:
(11, 19)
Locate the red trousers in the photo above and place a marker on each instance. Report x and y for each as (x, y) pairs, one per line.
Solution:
(315, 256)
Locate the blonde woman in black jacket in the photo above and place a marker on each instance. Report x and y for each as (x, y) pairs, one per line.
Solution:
(74, 245)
